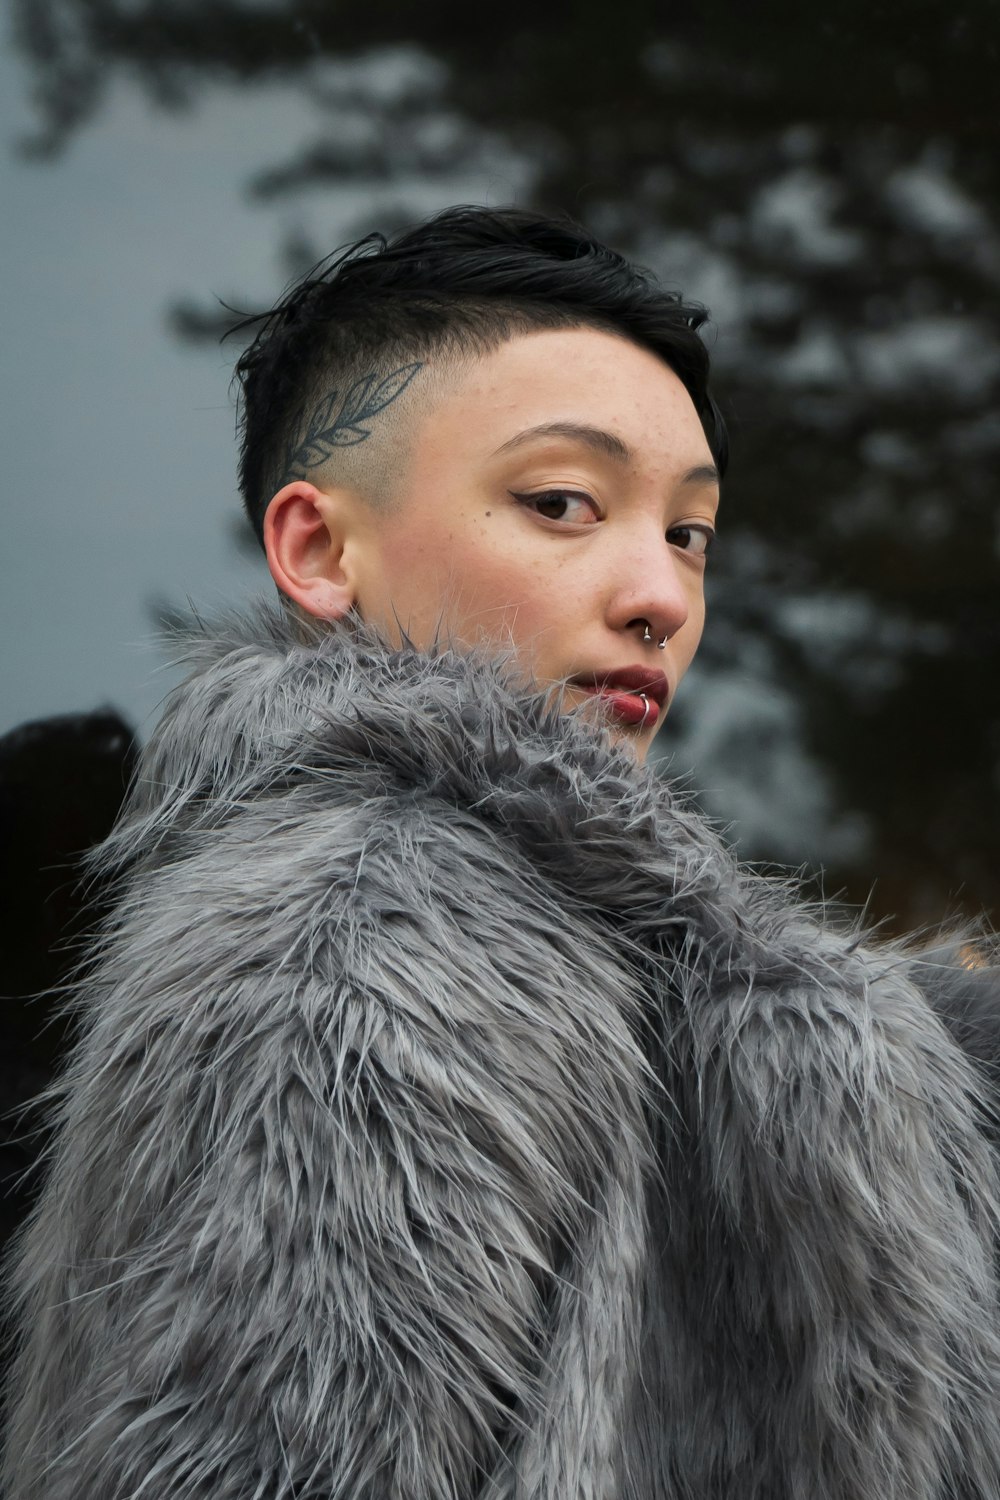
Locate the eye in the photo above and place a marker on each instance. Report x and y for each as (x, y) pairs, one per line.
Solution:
(560, 505)
(693, 539)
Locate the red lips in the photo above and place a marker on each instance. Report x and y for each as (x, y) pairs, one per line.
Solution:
(633, 695)
(628, 680)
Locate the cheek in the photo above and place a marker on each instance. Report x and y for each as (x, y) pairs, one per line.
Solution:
(401, 586)
(696, 628)
(462, 578)
(499, 596)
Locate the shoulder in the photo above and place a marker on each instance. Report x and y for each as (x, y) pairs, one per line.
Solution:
(327, 834)
(283, 757)
(960, 980)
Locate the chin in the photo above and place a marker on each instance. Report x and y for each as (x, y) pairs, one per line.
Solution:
(637, 746)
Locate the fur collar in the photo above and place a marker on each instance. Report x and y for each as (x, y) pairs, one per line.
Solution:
(270, 699)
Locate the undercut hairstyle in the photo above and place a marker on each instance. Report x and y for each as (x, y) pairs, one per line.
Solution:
(351, 338)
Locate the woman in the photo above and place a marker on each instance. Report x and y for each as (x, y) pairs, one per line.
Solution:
(451, 1115)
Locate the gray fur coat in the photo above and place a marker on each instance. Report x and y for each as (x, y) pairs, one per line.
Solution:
(451, 1116)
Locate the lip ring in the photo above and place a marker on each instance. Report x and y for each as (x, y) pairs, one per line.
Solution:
(630, 708)
(637, 681)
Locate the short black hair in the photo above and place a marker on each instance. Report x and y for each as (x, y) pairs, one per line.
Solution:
(463, 281)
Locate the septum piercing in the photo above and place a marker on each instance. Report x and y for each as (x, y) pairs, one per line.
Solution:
(647, 637)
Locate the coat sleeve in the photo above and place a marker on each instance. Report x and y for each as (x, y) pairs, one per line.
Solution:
(319, 1157)
(961, 980)
(847, 1142)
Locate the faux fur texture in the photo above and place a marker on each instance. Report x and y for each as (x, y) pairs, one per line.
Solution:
(452, 1116)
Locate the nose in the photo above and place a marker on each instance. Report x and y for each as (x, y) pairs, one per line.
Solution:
(651, 592)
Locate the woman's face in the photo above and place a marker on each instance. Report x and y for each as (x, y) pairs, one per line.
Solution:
(560, 497)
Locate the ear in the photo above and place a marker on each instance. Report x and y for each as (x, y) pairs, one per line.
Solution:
(307, 534)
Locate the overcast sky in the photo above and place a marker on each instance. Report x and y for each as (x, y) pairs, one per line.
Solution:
(118, 440)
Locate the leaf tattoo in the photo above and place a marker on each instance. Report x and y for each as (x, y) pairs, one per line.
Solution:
(340, 423)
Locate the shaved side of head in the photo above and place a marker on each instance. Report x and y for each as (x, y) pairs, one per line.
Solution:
(357, 434)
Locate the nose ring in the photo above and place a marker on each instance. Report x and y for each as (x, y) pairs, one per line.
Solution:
(647, 638)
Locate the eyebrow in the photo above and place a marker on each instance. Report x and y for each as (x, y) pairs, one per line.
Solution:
(702, 474)
(598, 438)
(609, 444)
